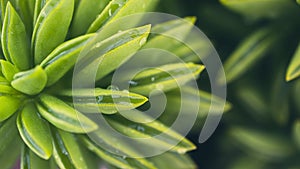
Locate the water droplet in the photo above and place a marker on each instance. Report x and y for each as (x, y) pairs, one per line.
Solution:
(143, 41)
(112, 87)
(65, 152)
(99, 99)
(140, 128)
(110, 12)
(133, 83)
(124, 157)
(152, 79)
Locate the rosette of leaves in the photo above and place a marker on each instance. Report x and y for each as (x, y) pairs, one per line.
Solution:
(41, 41)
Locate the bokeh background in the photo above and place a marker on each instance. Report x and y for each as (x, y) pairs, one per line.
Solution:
(261, 131)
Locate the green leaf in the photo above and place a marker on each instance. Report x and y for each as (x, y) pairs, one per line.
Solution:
(105, 101)
(8, 133)
(8, 70)
(10, 106)
(173, 160)
(296, 133)
(110, 53)
(258, 9)
(84, 15)
(9, 143)
(15, 43)
(166, 77)
(262, 143)
(249, 52)
(69, 145)
(38, 6)
(47, 35)
(169, 139)
(208, 102)
(6, 89)
(119, 8)
(64, 116)
(26, 12)
(293, 70)
(168, 36)
(63, 58)
(35, 131)
(30, 82)
(29, 160)
(118, 161)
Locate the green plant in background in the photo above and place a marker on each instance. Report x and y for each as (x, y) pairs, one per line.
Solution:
(261, 40)
(41, 41)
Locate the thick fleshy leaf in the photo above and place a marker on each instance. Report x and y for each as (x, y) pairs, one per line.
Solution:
(262, 143)
(63, 58)
(47, 35)
(69, 152)
(280, 103)
(30, 82)
(208, 102)
(64, 116)
(174, 161)
(165, 78)
(250, 51)
(118, 161)
(120, 8)
(84, 15)
(106, 101)
(15, 44)
(6, 89)
(8, 70)
(167, 36)
(9, 144)
(293, 70)
(34, 131)
(110, 53)
(257, 9)
(8, 133)
(169, 139)
(10, 105)
(29, 160)
(27, 12)
(38, 6)
(296, 133)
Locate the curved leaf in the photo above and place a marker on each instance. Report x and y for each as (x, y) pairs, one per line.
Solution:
(109, 54)
(35, 131)
(15, 43)
(38, 6)
(262, 143)
(64, 116)
(69, 151)
(118, 161)
(30, 82)
(258, 9)
(105, 101)
(253, 48)
(47, 35)
(27, 12)
(169, 138)
(8, 70)
(165, 78)
(293, 70)
(12, 104)
(120, 8)
(29, 160)
(63, 58)
(84, 15)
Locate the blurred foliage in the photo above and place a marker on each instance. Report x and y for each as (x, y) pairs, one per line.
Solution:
(258, 42)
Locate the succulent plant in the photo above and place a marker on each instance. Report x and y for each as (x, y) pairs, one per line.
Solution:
(45, 122)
